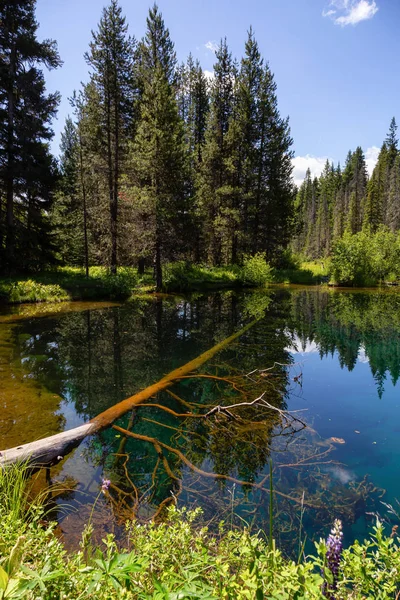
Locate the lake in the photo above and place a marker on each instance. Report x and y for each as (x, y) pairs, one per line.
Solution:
(323, 364)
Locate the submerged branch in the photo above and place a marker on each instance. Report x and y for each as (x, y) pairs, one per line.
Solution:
(55, 447)
(158, 445)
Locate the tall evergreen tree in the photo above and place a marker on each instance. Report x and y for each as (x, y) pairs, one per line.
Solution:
(193, 105)
(214, 175)
(157, 49)
(393, 213)
(275, 189)
(250, 140)
(327, 194)
(355, 180)
(111, 58)
(301, 210)
(27, 170)
(376, 201)
(158, 152)
(67, 214)
(392, 143)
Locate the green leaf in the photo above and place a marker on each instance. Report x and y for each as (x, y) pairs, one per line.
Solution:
(14, 560)
(3, 579)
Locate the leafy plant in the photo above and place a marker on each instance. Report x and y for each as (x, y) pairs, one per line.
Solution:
(256, 271)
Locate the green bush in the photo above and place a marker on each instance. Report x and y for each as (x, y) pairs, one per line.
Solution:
(256, 271)
(365, 259)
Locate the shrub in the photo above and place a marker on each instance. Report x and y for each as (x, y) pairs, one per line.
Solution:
(256, 271)
(365, 259)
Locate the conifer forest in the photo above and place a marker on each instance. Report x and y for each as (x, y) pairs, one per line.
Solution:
(157, 162)
(161, 162)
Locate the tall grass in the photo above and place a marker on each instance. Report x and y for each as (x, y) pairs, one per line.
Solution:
(14, 491)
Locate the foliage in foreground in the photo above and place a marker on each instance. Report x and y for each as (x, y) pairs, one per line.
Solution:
(176, 560)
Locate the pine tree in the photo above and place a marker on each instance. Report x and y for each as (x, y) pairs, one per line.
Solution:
(111, 58)
(67, 213)
(214, 175)
(393, 215)
(158, 152)
(376, 201)
(327, 194)
(275, 189)
(301, 210)
(392, 143)
(193, 106)
(355, 180)
(339, 210)
(311, 241)
(250, 140)
(156, 50)
(27, 170)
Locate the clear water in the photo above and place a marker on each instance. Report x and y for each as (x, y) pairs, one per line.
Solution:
(333, 355)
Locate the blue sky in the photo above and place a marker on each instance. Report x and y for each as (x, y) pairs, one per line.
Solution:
(335, 61)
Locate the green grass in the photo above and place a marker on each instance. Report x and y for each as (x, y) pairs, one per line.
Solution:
(307, 273)
(185, 277)
(69, 283)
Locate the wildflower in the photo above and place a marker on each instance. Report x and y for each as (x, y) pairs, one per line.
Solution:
(60, 457)
(105, 485)
(333, 556)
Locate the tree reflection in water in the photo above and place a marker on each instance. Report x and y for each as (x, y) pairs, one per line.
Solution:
(94, 359)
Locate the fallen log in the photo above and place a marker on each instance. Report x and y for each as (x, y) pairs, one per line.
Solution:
(52, 449)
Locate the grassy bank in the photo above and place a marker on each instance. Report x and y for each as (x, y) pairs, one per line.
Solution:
(178, 560)
(69, 283)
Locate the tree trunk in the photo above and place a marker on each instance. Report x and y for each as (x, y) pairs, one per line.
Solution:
(52, 449)
(255, 244)
(10, 229)
(113, 212)
(158, 267)
(141, 265)
(114, 216)
(83, 187)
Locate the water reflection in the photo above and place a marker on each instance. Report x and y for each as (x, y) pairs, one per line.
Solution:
(358, 326)
(89, 360)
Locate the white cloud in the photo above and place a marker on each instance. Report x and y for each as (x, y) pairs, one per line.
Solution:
(328, 13)
(371, 158)
(351, 12)
(302, 163)
(209, 75)
(316, 164)
(362, 356)
(299, 348)
(210, 45)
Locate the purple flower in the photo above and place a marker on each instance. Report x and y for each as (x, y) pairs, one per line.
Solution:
(105, 484)
(333, 556)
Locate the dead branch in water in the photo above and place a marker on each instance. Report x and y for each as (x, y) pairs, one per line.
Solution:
(287, 416)
(54, 448)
